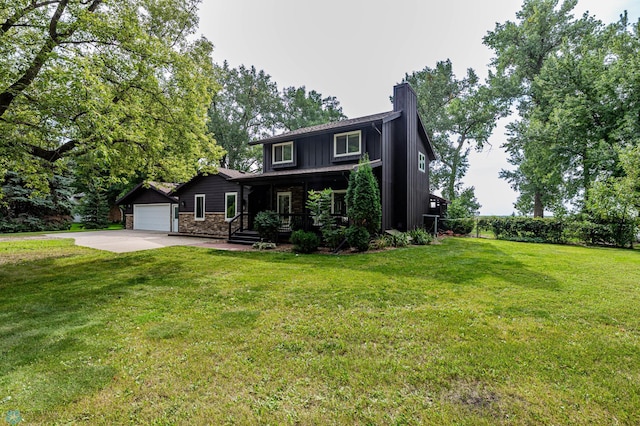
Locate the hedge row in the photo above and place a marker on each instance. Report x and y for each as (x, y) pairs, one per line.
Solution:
(621, 233)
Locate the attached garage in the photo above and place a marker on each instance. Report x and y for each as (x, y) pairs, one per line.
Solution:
(151, 207)
(152, 217)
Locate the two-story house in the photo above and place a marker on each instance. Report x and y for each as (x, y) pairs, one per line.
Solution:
(322, 157)
(296, 162)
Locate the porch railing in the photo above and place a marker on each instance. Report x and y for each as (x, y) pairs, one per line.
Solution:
(288, 222)
(238, 224)
(305, 221)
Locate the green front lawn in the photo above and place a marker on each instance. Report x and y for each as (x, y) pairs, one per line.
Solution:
(467, 332)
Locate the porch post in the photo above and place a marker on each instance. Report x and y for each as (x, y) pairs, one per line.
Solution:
(241, 204)
(271, 197)
(305, 191)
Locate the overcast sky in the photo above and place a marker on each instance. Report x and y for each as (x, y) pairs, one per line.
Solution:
(357, 50)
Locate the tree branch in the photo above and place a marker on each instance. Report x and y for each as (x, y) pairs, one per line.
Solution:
(7, 97)
(11, 21)
(51, 155)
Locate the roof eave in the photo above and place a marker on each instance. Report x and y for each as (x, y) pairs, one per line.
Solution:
(351, 125)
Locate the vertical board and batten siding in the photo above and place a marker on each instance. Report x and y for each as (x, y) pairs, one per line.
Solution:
(412, 190)
(399, 163)
(388, 177)
(214, 187)
(317, 151)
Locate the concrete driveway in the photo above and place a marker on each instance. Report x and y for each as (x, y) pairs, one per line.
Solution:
(122, 241)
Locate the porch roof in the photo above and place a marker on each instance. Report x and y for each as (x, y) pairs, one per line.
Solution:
(300, 173)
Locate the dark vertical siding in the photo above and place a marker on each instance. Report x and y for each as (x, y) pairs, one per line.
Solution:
(317, 151)
(214, 187)
(410, 182)
(401, 136)
(388, 177)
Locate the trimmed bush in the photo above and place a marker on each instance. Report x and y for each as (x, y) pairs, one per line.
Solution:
(462, 226)
(267, 224)
(620, 233)
(538, 230)
(420, 237)
(358, 237)
(334, 237)
(398, 239)
(262, 245)
(304, 242)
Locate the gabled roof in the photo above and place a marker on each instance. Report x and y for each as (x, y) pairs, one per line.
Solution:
(334, 126)
(223, 172)
(162, 188)
(230, 173)
(421, 130)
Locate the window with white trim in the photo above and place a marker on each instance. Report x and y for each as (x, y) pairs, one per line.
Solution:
(199, 207)
(422, 162)
(230, 205)
(282, 153)
(349, 143)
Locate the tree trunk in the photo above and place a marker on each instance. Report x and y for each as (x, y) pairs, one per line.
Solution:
(538, 208)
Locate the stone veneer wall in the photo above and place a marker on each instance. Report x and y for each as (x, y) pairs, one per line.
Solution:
(297, 198)
(128, 221)
(213, 224)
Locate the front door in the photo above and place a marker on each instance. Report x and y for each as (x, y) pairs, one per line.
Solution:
(284, 210)
(174, 218)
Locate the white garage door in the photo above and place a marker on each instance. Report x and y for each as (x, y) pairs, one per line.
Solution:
(152, 217)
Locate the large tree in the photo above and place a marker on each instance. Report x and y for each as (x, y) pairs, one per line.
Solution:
(250, 106)
(115, 84)
(304, 109)
(459, 114)
(522, 49)
(246, 108)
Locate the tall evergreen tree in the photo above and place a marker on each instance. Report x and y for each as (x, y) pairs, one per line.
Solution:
(363, 198)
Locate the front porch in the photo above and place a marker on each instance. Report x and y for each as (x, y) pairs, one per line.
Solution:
(286, 193)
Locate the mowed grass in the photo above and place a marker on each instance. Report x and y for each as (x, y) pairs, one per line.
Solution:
(467, 332)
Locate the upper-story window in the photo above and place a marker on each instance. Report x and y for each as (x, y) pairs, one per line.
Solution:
(422, 162)
(349, 143)
(282, 153)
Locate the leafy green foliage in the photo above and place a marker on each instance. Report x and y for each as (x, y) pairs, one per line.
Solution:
(263, 245)
(420, 237)
(358, 237)
(246, 108)
(458, 114)
(554, 67)
(463, 205)
(398, 239)
(363, 198)
(118, 86)
(319, 205)
(267, 224)
(23, 209)
(304, 241)
(249, 106)
(334, 237)
(303, 109)
(620, 233)
(540, 230)
(94, 209)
